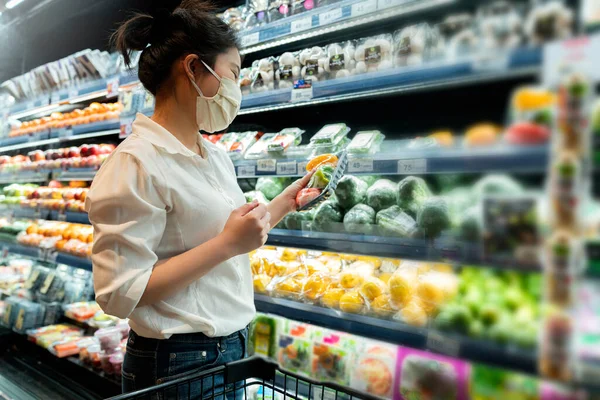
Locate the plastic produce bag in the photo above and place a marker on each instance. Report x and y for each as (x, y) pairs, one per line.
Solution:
(312, 61)
(374, 54)
(415, 44)
(340, 61)
(288, 70)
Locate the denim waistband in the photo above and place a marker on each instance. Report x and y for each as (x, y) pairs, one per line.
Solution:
(148, 344)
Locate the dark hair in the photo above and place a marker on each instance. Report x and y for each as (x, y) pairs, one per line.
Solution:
(163, 37)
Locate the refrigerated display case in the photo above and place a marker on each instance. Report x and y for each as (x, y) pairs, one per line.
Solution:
(428, 242)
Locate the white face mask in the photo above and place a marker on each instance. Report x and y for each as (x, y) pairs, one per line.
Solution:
(216, 113)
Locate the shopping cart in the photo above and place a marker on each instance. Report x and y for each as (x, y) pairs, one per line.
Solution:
(254, 378)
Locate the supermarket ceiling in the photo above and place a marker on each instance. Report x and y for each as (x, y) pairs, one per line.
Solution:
(34, 32)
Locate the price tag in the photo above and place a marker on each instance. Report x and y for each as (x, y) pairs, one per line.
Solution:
(383, 4)
(491, 61)
(251, 39)
(302, 91)
(51, 256)
(414, 166)
(302, 167)
(364, 7)
(55, 98)
(266, 165)
(360, 165)
(112, 87)
(246, 170)
(286, 168)
(301, 24)
(581, 55)
(330, 16)
(65, 133)
(47, 283)
(126, 127)
(73, 93)
(441, 344)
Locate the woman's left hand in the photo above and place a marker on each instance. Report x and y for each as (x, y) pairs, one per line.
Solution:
(288, 196)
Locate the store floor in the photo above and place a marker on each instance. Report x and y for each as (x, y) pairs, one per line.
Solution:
(28, 372)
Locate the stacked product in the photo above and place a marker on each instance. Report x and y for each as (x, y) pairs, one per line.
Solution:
(63, 236)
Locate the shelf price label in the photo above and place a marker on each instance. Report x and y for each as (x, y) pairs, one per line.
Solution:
(286, 168)
(360, 165)
(246, 170)
(266, 165)
(65, 133)
(302, 91)
(126, 127)
(442, 344)
(112, 87)
(302, 167)
(301, 24)
(62, 216)
(414, 166)
(55, 98)
(251, 39)
(364, 7)
(383, 4)
(73, 92)
(330, 16)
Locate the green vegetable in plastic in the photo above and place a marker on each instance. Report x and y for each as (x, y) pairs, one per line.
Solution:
(496, 185)
(369, 179)
(471, 224)
(350, 191)
(412, 192)
(382, 194)
(299, 220)
(270, 187)
(359, 219)
(256, 195)
(327, 217)
(321, 177)
(433, 217)
(393, 221)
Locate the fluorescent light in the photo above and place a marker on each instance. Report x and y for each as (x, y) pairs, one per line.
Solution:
(13, 3)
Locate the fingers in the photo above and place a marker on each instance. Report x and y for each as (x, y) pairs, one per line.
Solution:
(246, 208)
(259, 211)
(302, 182)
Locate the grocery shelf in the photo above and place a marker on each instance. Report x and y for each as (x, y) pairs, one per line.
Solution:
(477, 68)
(51, 256)
(74, 174)
(70, 216)
(510, 357)
(59, 136)
(337, 17)
(397, 157)
(24, 177)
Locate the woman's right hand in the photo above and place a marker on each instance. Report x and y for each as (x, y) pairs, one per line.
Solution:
(247, 228)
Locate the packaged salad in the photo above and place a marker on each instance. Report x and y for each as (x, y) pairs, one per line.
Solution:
(236, 144)
(365, 142)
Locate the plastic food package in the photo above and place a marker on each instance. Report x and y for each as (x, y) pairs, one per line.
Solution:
(236, 144)
(365, 142)
(81, 311)
(300, 6)
(263, 75)
(109, 338)
(284, 139)
(313, 61)
(332, 355)
(260, 149)
(458, 34)
(25, 315)
(288, 70)
(278, 9)
(415, 44)
(330, 134)
(116, 362)
(245, 80)
(340, 61)
(374, 54)
(500, 26)
(374, 369)
(95, 352)
(549, 21)
(257, 13)
(234, 18)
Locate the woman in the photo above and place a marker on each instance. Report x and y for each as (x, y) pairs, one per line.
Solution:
(171, 227)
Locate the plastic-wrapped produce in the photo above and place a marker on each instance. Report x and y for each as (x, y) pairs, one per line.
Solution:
(313, 61)
(278, 9)
(366, 142)
(459, 35)
(300, 6)
(550, 21)
(374, 54)
(500, 25)
(257, 13)
(263, 75)
(288, 70)
(415, 44)
(236, 144)
(245, 81)
(340, 60)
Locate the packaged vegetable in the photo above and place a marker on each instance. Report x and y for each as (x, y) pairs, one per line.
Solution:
(284, 139)
(256, 195)
(307, 195)
(365, 142)
(260, 149)
(327, 216)
(350, 191)
(270, 187)
(330, 134)
(374, 369)
(359, 219)
(313, 62)
(323, 159)
(395, 222)
(374, 54)
(414, 44)
(412, 192)
(288, 70)
(236, 144)
(340, 60)
(352, 302)
(382, 194)
(433, 217)
(321, 177)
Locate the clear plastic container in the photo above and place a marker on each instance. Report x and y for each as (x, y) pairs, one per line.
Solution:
(237, 143)
(374, 54)
(288, 70)
(116, 362)
(123, 326)
(415, 44)
(284, 139)
(95, 352)
(109, 337)
(340, 60)
(365, 142)
(330, 134)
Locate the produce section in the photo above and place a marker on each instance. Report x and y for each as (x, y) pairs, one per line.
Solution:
(413, 253)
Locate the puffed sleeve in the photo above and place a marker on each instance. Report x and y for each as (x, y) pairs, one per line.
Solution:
(129, 218)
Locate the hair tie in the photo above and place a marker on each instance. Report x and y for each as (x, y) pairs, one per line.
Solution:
(162, 21)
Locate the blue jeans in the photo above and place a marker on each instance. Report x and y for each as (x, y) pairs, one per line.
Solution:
(150, 362)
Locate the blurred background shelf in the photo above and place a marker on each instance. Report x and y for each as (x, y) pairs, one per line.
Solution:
(512, 357)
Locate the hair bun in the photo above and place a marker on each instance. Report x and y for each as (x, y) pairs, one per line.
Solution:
(161, 25)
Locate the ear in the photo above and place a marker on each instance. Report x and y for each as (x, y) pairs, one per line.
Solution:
(191, 65)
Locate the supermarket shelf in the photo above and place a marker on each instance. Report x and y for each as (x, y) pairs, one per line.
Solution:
(52, 256)
(513, 358)
(69, 216)
(518, 63)
(75, 174)
(329, 19)
(59, 136)
(397, 158)
(24, 177)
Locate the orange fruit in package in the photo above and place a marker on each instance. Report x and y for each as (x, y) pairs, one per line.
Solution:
(321, 160)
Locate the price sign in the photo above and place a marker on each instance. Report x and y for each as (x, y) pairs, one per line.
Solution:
(414, 166)
(581, 55)
(301, 24)
(491, 61)
(251, 39)
(302, 167)
(364, 7)
(112, 87)
(302, 91)
(441, 344)
(286, 168)
(360, 165)
(126, 127)
(246, 170)
(330, 16)
(266, 165)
